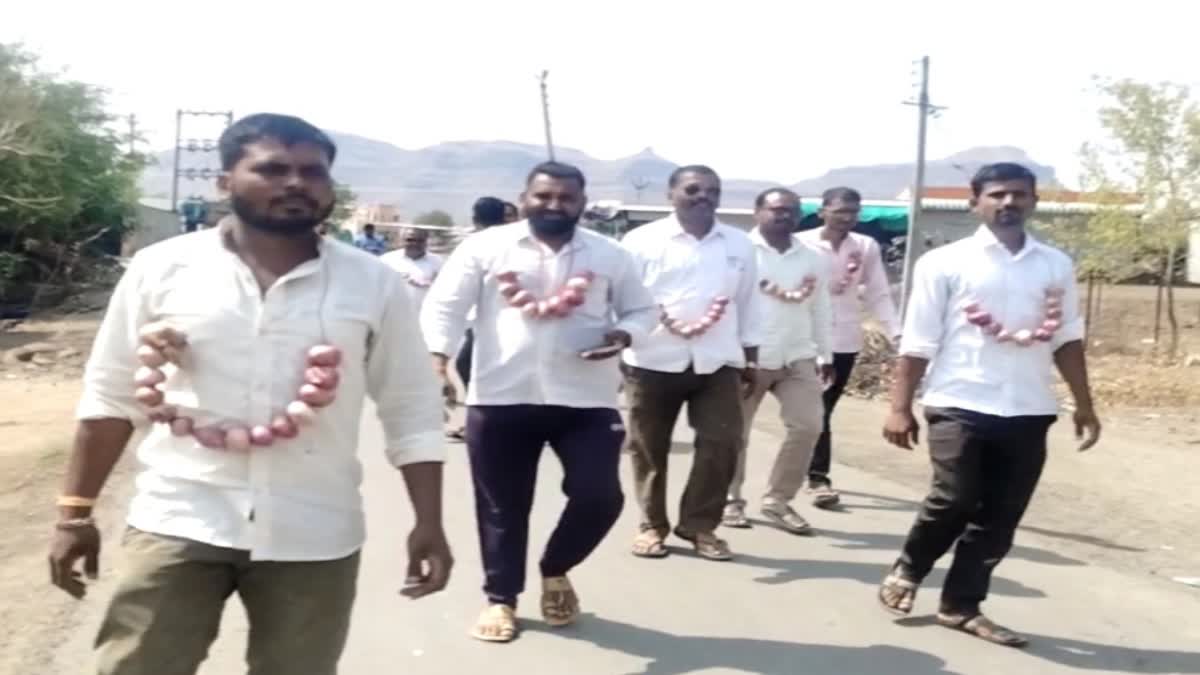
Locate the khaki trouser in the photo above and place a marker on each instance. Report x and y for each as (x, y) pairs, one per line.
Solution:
(714, 413)
(168, 604)
(798, 390)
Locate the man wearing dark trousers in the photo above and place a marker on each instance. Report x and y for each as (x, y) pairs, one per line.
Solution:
(555, 305)
(989, 317)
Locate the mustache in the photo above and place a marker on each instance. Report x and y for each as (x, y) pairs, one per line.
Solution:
(308, 201)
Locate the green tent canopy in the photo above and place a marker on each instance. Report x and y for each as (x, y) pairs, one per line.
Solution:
(892, 219)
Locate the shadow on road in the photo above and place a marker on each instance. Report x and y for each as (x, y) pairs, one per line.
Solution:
(788, 570)
(856, 541)
(670, 654)
(1090, 655)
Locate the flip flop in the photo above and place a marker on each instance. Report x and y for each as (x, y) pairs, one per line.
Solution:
(983, 628)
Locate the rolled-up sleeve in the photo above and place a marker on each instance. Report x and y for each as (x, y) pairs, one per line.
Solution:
(108, 376)
(444, 315)
(751, 312)
(923, 321)
(400, 380)
(636, 311)
(1073, 327)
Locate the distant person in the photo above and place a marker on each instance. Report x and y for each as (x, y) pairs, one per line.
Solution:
(415, 264)
(704, 352)
(989, 318)
(855, 263)
(211, 515)
(555, 306)
(795, 358)
(487, 212)
(370, 242)
(511, 213)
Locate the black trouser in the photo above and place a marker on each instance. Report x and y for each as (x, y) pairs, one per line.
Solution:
(504, 443)
(462, 362)
(818, 470)
(985, 469)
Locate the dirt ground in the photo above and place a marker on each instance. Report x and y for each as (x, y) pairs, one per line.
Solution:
(1131, 503)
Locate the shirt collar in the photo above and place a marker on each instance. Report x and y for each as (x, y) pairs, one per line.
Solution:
(678, 231)
(760, 241)
(987, 239)
(524, 234)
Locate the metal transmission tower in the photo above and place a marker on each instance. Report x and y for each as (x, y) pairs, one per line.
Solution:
(925, 110)
(193, 145)
(546, 113)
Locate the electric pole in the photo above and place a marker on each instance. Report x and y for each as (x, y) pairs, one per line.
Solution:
(546, 113)
(639, 185)
(925, 110)
(193, 145)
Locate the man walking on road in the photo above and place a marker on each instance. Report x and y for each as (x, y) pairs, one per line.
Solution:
(794, 286)
(415, 264)
(854, 263)
(704, 353)
(243, 303)
(555, 305)
(993, 313)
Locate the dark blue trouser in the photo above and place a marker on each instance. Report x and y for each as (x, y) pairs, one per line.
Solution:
(504, 444)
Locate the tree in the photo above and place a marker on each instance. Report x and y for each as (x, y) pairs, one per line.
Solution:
(1152, 149)
(346, 202)
(435, 217)
(68, 184)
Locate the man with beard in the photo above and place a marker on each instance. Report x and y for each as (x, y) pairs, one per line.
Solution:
(794, 358)
(556, 304)
(704, 277)
(854, 262)
(994, 313)
(415, 264)
(236, 309)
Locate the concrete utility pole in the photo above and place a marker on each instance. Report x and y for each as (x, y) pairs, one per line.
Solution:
(546, 113)
(925, 110)
(193, 145)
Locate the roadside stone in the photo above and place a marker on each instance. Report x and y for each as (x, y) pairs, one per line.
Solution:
(1192, 361)
(25, 353)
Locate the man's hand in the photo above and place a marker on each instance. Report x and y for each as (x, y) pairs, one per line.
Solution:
(614, 342)
(825, 372)
(67, 547)
(1087, 428)
(901, 429)
(429, 562)
(749, 376)
(170, 342)
(442, 370)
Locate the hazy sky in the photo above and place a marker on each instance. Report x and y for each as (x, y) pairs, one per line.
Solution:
(772, 90)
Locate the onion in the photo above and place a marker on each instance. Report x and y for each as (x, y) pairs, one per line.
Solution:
(148, 396)
(791, 295)
(971, 308)
(150, 357)
(979, 318)
(1023, 337)
(721, 300)
(148, 377)
(1051, 325)
(1054, 313)
(261, 435)
(529, 309)
(765, 285)
(181, 426)
(578, 283)
(324, 355)
(509, 277)
(300, 413)
(994, 328)
(1043, 335)
(572, 297)
(209, 437)
(163, 414)
(508, 289)
(1004, 336)
(1053, 303)
(237, 439)
(521, 297)
(705, 322)
(316, 396)
(283, 427)
(1055, 292)
(542, 308)
(322, 376)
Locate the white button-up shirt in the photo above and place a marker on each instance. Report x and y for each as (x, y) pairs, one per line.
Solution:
(685, 274)
(868, 285)
(793, 331)
(968, 369)
(418, 273)
(297, 499)
(521, 360)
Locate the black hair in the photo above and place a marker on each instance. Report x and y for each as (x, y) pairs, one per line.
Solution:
(286, 129)
(843, 194)
(691, 168)
(1001, 171)
(762, 196)
(488, 211)
(369, 226)
(510, 205)
(557, 170)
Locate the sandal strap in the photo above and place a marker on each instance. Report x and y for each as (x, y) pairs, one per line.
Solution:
(557, 585)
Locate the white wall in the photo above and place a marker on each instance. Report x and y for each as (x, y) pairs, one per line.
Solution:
(1193, 258)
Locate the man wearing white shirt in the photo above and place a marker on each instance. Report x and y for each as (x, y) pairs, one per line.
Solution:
(416, 265)
(704, 353)
(857, 280)
(283, 525)
(988, 319)
(795, 358)
(555, 305)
